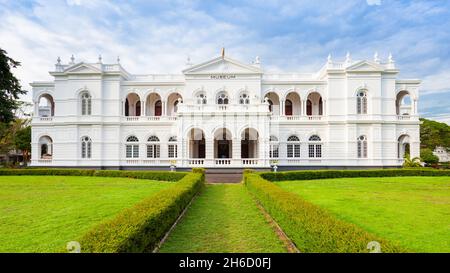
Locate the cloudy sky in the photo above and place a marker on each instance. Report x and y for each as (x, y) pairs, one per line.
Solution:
(291, 36)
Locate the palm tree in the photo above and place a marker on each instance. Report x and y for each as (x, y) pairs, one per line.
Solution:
(412, 163)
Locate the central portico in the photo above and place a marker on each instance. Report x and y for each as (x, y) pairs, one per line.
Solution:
(228, 127)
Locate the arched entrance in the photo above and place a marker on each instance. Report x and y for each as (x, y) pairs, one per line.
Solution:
(249, 143)
(197, 147)
(222, 143)
(403, 147)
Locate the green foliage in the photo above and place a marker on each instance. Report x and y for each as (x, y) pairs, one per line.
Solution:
(10, 88)
(198, 170)
(22, 141)
(65, 172)
(410, 211)
(411, 163)
(141, 227)
(433, 133)
(151, 175)
(223, 218)
(322, 174)
(311, 228)
(44, 213)
(428, 157)
(8, 133)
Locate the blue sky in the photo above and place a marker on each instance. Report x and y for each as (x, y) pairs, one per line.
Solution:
(290, 36)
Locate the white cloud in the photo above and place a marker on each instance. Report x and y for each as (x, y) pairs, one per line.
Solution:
(73, 2)
(373, 2)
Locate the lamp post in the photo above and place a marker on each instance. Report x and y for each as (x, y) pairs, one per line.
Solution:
(172, 165)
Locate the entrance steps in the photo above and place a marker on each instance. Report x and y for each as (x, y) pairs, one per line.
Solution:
(224, 175)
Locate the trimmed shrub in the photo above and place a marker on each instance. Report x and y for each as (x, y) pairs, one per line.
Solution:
(198, 170)
(322, 174)
(152, 175)
(141, 227)
(311, 228)
(66, 172)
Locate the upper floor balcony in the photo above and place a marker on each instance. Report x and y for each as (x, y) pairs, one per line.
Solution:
(222, 108)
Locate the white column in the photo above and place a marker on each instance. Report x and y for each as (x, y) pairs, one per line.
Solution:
(163, 108)
(209, 146)
(36, 109)
(236, 154)
(282, 113)
(142, 108)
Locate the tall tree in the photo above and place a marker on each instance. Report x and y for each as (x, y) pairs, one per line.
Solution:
(22, 141)
(10, 88)
(433, 133)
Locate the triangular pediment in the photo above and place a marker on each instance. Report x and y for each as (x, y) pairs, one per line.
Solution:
(222, 65)
(365, 66)
(82, 68)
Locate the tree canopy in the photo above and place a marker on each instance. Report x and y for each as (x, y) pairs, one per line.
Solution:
(10, 88)
(433, 133)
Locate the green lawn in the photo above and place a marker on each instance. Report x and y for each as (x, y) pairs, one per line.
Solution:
(43, 213)
(224, 218)
(412, 211)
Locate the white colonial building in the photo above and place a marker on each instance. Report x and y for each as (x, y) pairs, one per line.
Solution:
(223, 113)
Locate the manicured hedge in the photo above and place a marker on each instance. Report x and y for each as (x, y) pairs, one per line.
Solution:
(321, 174)
(152, 175)
(68, 172)
(141, 227)
(311, 228)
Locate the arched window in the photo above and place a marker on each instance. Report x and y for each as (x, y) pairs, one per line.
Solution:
(173, 147)
(86, 147)
(46, 147)
(153, 150)
(85, 104)
(315, 147)
(362, 147)
(293, 147)
(201, 98)
(46, 106)
(288, 108)
(274, 151)
(132, 105)
(132, 147)
(244, 99)
(222, 98)
(361, 102)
